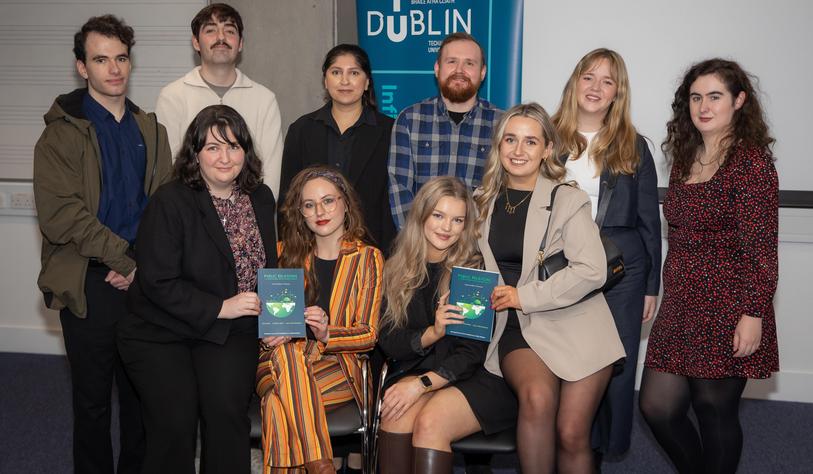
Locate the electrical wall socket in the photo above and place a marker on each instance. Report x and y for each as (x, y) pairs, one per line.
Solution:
(22, 200)
(17, 199)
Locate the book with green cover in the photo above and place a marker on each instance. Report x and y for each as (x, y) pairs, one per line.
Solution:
(470, 289)
(282, 302)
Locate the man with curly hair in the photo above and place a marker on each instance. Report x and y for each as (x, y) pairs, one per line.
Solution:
(95, 164)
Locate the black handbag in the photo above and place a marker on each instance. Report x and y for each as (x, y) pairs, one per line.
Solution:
(550, 264)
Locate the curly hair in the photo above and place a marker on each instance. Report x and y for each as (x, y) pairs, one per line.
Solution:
(614, 146)
(299, 241)
(219, 119)
(105, 25)
(363, 62)
(748, 126)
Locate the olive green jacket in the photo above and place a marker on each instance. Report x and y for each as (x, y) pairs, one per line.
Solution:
(67, 187)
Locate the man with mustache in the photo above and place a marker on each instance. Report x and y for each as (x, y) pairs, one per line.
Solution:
(449, 134)
(217, 36)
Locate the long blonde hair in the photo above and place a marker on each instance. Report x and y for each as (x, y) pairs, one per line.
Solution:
(495, 177)
(615, 144)
(405, 271)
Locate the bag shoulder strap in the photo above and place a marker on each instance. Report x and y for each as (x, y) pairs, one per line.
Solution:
(549, 208)
(604, 202)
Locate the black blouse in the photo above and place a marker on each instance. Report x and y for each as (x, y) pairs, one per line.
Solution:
(453, 358)
(506, 239)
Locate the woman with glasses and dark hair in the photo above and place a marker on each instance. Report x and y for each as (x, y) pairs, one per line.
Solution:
(716, 327)
(349, 134)
(300, 380)
(189, 343)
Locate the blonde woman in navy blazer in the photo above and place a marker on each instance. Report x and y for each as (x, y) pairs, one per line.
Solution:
(613, 164)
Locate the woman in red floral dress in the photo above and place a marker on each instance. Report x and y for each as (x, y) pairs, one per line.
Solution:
(716, 326)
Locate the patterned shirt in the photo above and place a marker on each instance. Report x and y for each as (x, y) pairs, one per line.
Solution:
(427, 143)
(240, 225)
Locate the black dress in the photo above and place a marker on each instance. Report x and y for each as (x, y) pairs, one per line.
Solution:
(458, 360)
(506, 245)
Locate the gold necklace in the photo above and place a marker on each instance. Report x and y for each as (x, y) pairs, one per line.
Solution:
(715, 159)
(703, 165)
(512, 209)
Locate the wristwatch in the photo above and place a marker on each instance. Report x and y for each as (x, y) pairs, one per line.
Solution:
(426, 382)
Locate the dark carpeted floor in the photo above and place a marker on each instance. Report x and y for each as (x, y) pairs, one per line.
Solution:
(35, 427)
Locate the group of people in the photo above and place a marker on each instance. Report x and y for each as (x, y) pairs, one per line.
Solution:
(154, 227)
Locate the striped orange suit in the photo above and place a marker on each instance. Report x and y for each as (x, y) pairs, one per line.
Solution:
(299, 380)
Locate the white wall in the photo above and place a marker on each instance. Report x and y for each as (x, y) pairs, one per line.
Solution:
(550, 54)
(794, 381)
(36, 65)
(660, 39)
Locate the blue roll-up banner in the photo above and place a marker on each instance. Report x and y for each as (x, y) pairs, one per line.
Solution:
(402, 38)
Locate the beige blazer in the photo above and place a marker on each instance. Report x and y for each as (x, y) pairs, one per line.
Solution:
(574, 340)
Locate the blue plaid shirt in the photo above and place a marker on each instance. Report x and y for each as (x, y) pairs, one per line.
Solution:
(427, 143)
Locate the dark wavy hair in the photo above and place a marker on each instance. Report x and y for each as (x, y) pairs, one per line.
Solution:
(105, 25)
(220, 119)
(220, 12)
(363, 61)
(748, 126)
(299, 242)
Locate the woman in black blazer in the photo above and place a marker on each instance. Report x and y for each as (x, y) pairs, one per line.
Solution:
(189, 343)
(347, 132)
(613, 164)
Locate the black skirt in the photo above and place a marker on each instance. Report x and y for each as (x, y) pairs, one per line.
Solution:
(491, 399)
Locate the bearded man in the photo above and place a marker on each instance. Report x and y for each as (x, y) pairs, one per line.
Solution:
(445, 135)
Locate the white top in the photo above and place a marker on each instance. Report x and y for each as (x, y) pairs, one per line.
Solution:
(181, 100)
(583, 171)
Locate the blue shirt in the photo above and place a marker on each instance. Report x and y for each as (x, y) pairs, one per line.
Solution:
(427, 143)
(124, 163)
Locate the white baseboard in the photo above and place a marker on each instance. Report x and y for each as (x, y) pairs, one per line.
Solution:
(31, 340)
(787, 386)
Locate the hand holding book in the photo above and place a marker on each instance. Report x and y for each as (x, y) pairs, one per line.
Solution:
(239, 305)
(317, 319)
(445, 315)
(505, 297)
(269, 342)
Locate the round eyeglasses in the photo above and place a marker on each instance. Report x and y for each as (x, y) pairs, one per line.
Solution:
(328, 203)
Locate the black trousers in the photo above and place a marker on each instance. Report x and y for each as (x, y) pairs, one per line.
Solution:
(95, 364)
(182, 382)
(612, 426)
